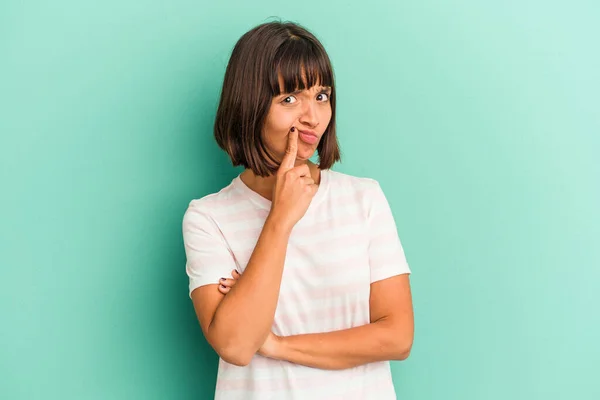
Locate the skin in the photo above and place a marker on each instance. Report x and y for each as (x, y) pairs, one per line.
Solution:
(389, 335)
(304, 110)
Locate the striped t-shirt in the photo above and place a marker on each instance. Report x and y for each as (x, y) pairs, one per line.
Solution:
(346, 240)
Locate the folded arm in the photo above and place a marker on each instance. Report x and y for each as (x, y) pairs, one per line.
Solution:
(389, 336)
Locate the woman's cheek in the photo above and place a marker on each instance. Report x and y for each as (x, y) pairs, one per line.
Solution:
(325, 116)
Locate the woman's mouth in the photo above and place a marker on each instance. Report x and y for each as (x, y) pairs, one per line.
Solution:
(308, 136)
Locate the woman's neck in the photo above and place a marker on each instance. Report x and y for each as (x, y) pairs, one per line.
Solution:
(264, 185)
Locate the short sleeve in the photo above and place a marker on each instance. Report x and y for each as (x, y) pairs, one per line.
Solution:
(208, 257)
(386, 255)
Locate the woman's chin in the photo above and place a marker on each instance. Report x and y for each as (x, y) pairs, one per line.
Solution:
(307, 151)
(304, 155)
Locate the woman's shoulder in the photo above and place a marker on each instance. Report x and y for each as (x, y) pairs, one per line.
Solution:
(362, 191)
(222, 201)
(343, 182)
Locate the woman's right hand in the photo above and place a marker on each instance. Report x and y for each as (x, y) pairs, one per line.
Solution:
(294, 187)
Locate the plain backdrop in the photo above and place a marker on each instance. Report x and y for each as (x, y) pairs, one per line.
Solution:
(480, 120)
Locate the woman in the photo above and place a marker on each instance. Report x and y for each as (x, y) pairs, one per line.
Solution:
(297, 274)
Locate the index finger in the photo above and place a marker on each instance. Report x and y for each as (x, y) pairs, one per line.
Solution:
(289, 160)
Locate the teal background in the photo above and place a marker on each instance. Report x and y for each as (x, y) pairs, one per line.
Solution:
(480, 119)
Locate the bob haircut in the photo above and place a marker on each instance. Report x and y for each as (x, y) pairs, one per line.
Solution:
(259, 59)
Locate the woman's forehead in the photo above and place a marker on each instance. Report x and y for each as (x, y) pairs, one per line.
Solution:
(300, 84)
(301, 76)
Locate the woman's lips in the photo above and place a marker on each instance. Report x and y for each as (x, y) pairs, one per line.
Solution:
(308, 137)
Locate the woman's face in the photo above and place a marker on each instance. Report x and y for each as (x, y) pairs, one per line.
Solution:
(309, 111)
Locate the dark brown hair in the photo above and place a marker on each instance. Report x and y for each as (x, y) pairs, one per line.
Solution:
(260, 57)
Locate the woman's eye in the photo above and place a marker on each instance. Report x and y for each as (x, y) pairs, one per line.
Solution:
(289, 100)
(323, 97)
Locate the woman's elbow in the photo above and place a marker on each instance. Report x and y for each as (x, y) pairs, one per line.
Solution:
(230, 349)
(402, 348)
(236, 359)
(235, 355)
(403, 354)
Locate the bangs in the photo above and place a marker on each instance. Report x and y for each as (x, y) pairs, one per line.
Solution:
(301, 65)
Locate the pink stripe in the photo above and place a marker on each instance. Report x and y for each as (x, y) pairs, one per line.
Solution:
(317, 272)
(319, 379)
(250, 216)
(331, 293)
(311, 318)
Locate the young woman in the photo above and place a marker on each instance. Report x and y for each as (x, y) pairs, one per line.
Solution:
(296, 272)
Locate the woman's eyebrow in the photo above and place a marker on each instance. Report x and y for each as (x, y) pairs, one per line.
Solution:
(284, 93)
(298, 91)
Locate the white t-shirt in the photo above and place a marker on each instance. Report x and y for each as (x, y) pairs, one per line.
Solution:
(346, 240)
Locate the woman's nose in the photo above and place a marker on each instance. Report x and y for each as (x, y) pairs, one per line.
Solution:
(309, 115)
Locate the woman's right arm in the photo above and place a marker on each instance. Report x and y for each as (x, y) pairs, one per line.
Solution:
(237, 325)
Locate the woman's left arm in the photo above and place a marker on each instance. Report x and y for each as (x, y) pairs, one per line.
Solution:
(389, 336)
